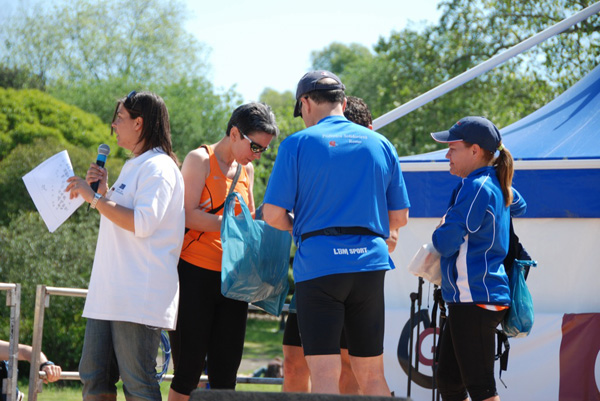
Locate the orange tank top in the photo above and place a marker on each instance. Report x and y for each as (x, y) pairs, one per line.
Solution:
(204, 249)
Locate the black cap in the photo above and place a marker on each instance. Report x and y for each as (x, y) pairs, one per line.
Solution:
(471, 129)
(310, 82)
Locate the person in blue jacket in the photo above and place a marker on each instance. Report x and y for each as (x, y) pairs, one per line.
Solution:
(472, 239)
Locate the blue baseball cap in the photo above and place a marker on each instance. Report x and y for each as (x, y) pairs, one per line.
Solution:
(310, 82)
(472, 129)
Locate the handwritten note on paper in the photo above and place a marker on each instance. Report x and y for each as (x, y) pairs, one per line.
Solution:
(46, 185)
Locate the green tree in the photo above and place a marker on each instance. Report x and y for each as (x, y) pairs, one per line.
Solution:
(19, 78)
(30, 256)
(95, 97)
(198, 115)
(29, 114)
(410, 62)
(336, 56)
(14, 197)
(282, 105)
(500, 24)
(85, 40)
(89, 58)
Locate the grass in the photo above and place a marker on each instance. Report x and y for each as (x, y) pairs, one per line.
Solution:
(263, 342)
(263, 337)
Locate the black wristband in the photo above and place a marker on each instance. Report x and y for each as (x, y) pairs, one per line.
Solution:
(47, 363)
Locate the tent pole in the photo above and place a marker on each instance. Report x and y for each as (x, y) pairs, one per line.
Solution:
(484, 67)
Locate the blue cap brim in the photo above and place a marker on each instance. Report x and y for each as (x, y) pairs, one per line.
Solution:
(445, 137)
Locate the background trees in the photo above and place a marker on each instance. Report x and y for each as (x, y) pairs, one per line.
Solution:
(501, 24)
(86, 53)
(96, 41)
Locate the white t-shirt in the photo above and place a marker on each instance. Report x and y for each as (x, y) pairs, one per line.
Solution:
(134, 277)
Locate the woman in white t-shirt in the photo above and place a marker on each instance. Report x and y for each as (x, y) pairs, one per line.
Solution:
(134, 288)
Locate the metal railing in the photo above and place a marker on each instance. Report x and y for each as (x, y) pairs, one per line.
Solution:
(42, 301)
(13, 299)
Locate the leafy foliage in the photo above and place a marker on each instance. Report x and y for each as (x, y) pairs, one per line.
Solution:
(198, 115)
(14, 197)
(19, 78)
(97, 97)
(336, 56)
(409, 63)
(99, 40)
(488, 27)
(26, 115)
(31, 255)
(282, 105)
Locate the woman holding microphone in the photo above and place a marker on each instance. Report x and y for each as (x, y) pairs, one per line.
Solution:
(134, 289)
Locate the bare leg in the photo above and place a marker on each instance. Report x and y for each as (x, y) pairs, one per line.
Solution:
(325, 373)
(348, 383)
(369, 373)
(296, 376)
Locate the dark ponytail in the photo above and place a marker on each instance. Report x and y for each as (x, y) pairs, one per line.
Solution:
(505, 171)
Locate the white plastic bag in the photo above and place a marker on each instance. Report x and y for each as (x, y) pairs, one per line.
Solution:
(426, 264)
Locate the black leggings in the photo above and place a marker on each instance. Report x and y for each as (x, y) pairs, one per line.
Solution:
(467, 353)
(208, 326)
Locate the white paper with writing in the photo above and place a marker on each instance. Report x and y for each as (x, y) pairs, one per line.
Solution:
(46, 185)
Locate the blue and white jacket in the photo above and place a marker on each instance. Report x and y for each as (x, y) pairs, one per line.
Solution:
(473, 240)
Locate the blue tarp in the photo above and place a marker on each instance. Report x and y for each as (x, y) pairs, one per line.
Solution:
(566, 128)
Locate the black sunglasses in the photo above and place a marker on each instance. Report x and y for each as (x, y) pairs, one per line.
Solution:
(130, 100)
(254, 147)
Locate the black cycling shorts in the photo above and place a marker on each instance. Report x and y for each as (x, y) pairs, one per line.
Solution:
(350, 301)
(291, 333)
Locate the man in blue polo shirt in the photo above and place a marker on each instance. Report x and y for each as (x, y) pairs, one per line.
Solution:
(338, 187)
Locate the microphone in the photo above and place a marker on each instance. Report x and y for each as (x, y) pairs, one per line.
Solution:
(103, 151)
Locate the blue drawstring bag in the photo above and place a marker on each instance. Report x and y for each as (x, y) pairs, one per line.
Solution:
(255, 260)
(519, 319)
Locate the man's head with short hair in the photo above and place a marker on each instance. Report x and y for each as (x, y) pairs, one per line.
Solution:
(358, 112)
(320, 86)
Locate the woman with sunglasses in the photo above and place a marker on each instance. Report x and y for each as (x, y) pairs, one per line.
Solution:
(133, 291)
(209, 325)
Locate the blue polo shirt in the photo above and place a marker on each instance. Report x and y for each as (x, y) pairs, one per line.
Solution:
(338, 174)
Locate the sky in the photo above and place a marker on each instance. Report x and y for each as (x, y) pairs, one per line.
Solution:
(267, 43)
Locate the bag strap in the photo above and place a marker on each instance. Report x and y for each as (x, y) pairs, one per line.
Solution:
(502, 355)
(231, 188)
